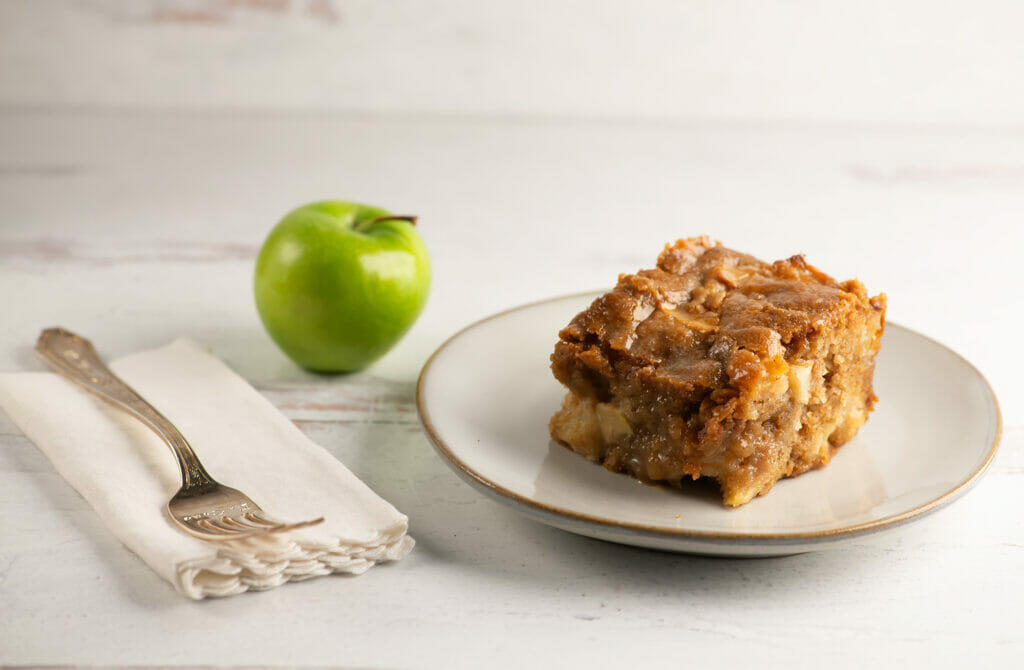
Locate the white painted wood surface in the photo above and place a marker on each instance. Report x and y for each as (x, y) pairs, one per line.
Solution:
(914, 61)
(132, 212)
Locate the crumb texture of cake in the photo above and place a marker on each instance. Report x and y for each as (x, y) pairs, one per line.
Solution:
(716, 364)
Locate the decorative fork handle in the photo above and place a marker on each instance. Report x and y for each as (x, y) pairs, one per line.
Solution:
(75, 358)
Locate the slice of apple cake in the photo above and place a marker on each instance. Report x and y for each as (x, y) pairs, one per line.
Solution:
(716, 364)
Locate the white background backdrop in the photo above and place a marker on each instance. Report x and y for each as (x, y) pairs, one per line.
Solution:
(917, 62)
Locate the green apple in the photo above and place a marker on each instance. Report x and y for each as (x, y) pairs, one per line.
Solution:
(338, 284)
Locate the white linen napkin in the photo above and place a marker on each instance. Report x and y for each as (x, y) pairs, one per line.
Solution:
(127, 474)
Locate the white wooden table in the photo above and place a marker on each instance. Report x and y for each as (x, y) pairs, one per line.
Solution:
(137, 225)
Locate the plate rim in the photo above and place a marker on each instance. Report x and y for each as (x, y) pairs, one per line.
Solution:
(540, 510)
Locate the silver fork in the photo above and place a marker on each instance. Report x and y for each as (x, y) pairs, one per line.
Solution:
(202, 506)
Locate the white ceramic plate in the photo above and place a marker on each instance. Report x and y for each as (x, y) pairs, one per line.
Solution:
(486, 395)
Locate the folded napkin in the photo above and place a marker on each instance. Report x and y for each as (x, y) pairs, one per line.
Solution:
(128, 474)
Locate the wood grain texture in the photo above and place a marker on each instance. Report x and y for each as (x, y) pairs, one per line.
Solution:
(908, 62)
(146, 149)
(152, 235)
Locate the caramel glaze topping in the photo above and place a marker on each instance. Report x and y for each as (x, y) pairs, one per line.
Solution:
(699, 337)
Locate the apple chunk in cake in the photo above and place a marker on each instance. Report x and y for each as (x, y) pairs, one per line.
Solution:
(716, 364)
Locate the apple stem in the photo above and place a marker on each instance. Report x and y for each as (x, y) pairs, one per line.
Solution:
(403, 217)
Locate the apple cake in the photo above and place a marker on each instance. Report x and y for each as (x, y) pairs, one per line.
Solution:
(716, 364)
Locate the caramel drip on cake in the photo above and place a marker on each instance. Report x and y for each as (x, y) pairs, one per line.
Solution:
(716, 364)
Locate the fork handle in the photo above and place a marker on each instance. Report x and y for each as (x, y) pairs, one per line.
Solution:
(75, 358)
